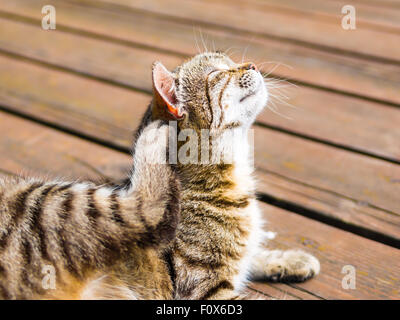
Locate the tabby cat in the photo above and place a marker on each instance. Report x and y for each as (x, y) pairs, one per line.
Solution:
(107, 249)
(218, 241)
(90, 235)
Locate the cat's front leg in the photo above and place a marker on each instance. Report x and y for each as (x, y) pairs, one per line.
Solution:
(284, 266)
(225, 294)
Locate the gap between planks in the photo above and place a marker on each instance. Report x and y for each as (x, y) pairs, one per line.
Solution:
(147, 90)
(377, 276)
(98, 126)
(128, 41)
(163, 10)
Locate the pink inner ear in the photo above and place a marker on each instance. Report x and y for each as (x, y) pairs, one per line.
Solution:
(164, 83)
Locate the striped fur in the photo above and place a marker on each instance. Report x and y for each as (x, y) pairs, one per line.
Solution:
(87, 232)
(121, 243)
(219, 236)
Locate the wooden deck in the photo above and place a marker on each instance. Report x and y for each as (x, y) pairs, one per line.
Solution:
(329, 178)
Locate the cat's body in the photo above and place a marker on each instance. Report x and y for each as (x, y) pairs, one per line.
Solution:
(217, 246)
(93, 239)
(218, 242)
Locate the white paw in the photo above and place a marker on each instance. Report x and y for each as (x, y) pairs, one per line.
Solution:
(291, 265)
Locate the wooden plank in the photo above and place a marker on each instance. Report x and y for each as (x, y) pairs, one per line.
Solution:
(376, 278)
(310, 174)
(337, 209)
(346, 121)
(30, 149)
(354, 123)
(82, 54)
(393, 4)
(72, 102)
(23, 143)
(363, 179)
(368, 17)
(345, 73)
(286, 25)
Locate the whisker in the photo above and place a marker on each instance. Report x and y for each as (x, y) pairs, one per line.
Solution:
(276, 81)
(276, 89)
(276, 62)
(285, 102)
(244, 52)
(234, 52)
(273, 108)
(229, 54)
(203, 42)
(272, 70)
(195, 39)
(280, 93)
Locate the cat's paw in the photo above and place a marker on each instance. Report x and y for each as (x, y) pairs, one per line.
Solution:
(286, 266)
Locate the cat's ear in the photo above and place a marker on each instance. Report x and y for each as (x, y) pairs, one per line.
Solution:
(164, 105)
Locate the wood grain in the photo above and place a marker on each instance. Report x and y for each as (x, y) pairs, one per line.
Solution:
(336, 161)
(23, 144)
(310, 174)
(376, 278)
(354, 123)
(335, 71)
(364, 179)
(393, 4)
(258, 18)
(379, 16)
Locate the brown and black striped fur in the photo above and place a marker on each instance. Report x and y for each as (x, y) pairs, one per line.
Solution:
(109, 244)
(217, 245)
(101, 241)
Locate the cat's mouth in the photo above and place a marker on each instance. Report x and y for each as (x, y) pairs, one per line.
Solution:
(251, 93)
(215, 70)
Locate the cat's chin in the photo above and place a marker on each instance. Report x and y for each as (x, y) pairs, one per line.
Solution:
(257, 101)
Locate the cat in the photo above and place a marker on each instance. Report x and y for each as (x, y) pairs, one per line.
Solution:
(212, 251)
(217, 247)
(90, 235)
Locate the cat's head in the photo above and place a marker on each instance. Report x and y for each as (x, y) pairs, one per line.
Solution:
(209, 91)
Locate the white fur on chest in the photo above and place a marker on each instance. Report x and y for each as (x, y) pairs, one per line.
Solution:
(256, 236)
(246, 184)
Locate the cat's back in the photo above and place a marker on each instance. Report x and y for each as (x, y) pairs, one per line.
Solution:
(21, 197)
(14, 194)
(81, 233)
(35, 231)
(23, 243)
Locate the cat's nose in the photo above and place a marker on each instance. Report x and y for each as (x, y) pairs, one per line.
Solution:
(249, 66)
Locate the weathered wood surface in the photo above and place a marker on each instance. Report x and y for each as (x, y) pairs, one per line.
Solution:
(353, 123)
(23, 143)
(348, 73)
(100, 111)
(337, 161)
(369, 16)
(376, 278)
(257, 17)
